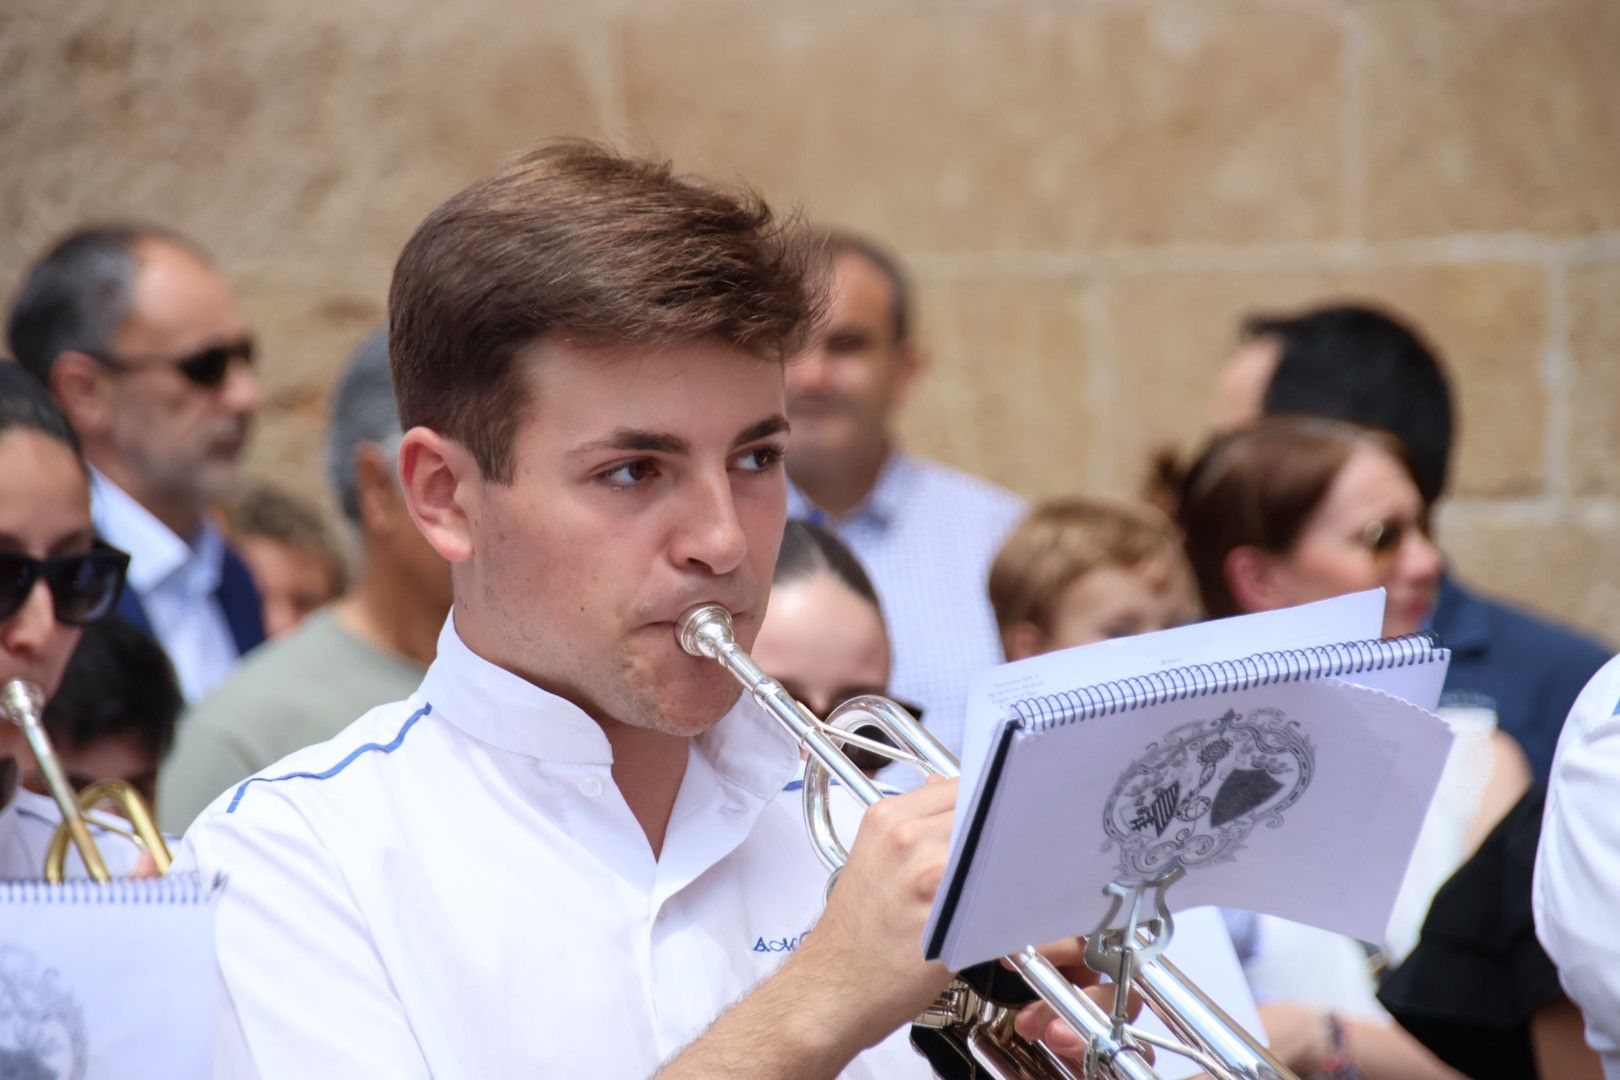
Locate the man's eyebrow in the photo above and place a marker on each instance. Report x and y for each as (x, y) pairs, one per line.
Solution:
(636, 439)
(771, 425)
(77, 539)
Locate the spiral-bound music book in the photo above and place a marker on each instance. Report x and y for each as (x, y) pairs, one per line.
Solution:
(108, 980)
(1291, 781)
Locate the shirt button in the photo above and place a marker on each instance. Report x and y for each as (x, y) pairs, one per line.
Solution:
(590, 787)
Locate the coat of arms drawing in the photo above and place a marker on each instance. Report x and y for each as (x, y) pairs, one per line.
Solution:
(42, 1028)
(1193, 798)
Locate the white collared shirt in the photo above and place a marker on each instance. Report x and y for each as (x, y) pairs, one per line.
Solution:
(927, 535)
(454, 887)
(175, 582)
(1576, 890)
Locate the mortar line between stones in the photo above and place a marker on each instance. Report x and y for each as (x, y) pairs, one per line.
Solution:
(1556, 371)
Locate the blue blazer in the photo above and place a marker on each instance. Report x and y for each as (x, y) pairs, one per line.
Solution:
(1525, 667)
(236, 594)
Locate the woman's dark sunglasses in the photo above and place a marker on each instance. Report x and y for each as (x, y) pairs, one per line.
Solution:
(84, 587)
(206, 367)
(1383, 539)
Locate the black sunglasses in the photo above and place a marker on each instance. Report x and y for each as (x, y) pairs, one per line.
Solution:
(84, 587)
(206, 367)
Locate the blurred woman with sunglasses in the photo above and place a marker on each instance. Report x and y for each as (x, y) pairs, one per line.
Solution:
(1295, 509)
(54, 578)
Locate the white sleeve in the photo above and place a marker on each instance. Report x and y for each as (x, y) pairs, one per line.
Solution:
(1576, 895)
(302, 990)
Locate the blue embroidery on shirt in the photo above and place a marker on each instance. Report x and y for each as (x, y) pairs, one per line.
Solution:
(387, 748)
(781, 944)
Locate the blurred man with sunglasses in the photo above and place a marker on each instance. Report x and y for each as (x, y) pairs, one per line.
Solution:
(141, 343)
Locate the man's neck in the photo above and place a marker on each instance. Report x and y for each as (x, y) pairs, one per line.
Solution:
(181, 512)
(391, 616)
(648, 767)
(838, 485)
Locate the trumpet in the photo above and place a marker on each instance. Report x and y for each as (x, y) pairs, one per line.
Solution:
(23, 704)
(973, 1019)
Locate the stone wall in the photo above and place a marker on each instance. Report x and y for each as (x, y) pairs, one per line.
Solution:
(1091, 193)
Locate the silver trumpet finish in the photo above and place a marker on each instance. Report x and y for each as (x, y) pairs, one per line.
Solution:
(1209, 1036)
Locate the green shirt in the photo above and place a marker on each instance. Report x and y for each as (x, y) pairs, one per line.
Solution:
(298, 690)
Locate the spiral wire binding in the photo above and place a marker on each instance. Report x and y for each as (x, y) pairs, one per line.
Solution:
(1197, 680)
(175, 889)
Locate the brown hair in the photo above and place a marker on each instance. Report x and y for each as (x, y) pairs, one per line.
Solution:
(1258, 487)
(1062, 540)
(573, 238)
(259, 510)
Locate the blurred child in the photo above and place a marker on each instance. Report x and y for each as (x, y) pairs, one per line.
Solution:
(1075, 571)
(113, 718)
(296, 565)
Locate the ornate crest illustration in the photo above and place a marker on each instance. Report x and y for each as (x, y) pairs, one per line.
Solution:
(42, 1028)
(1193, 798)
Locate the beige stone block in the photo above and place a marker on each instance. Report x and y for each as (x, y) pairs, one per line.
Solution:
(1005, 394)
(1561, 568)
(1169, 332)
(1025, 127)
(1594, 391)
(307, 328)
(1491, 117)
(263, 131)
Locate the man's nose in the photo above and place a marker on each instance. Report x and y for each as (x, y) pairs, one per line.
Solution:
(711, 535)
(243, 392)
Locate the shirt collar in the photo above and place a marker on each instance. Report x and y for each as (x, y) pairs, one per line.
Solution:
(156, 552)
(495, 706)
(882, 505)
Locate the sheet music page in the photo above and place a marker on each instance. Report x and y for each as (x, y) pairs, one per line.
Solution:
(1299, 799)
(112, 980)
(1353, 617)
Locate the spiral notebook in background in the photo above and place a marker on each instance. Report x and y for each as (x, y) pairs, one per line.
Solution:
(1287, 772)
(114, 980)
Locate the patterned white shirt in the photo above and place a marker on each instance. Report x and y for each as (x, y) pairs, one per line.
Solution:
(927, 535)
(175, 582)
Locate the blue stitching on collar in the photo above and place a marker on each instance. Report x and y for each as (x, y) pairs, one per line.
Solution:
(386, 748)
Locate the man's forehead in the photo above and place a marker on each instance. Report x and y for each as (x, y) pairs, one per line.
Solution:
(176, 292)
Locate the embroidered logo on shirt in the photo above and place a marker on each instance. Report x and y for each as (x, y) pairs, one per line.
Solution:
(780, 944)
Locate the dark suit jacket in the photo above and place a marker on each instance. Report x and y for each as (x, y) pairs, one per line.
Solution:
(1527, 668)
(236, 594)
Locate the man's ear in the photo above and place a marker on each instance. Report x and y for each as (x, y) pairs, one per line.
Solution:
(913, 362)
(1022, 640)
(1252, 577)
(84, 392)
(441, 483)
(377, 492)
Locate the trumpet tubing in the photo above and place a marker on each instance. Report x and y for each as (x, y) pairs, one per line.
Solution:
(24, 705)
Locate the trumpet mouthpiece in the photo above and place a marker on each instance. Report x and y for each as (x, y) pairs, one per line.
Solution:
(21, 701)
(705, 630)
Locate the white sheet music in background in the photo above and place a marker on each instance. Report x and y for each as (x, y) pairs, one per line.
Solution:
(115, 980)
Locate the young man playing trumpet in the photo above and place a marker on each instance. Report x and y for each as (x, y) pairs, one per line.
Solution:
(561, 856)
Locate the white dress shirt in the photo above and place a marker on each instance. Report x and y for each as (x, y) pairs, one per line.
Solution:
(454, 887)
(927, 535)
(175, 582)
(27, 824)
(1576, 895)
